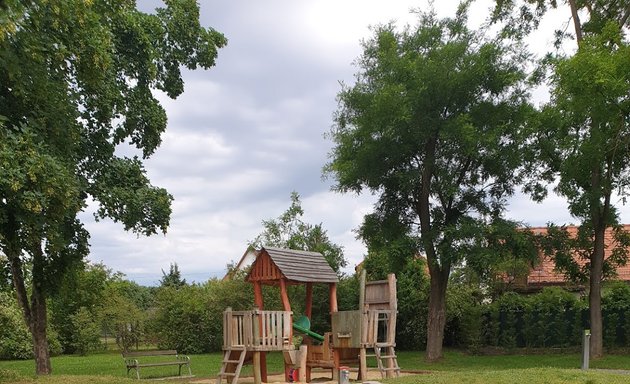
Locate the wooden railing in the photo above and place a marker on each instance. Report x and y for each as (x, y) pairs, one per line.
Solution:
(257, 330)
(379, 327)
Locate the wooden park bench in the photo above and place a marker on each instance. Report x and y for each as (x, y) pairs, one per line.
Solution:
(155, 359)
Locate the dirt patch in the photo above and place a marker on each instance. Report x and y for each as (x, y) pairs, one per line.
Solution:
(317, 376)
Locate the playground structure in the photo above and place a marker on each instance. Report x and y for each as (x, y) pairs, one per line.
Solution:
(249, 335)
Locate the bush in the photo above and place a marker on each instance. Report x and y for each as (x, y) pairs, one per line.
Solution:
(122, 319)
(15, 339)
(183, 314)
(87, 332)
(16, 342)
(616, 315)
(413, 298)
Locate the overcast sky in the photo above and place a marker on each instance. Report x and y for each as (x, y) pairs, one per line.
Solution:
(249, 131)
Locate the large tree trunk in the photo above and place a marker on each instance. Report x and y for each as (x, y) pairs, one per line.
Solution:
(38, 331)
(34, 312)
(595, 292)
(437, 315)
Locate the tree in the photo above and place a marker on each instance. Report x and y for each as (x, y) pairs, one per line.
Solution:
(173, 278)
(591, 93)
(76, 81)
(433, 125)
(589, 131)
(289, 231)
(123, 319)
(79, 296)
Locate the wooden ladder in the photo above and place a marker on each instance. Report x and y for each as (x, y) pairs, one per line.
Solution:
(391, 362)
(231, 367)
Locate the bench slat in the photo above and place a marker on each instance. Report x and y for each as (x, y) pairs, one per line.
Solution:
(149, 353)
(131, 360)
(140, 365)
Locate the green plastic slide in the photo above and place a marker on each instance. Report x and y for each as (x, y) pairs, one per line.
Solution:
(303, 325)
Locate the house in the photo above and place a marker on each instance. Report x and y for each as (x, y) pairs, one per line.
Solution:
(243, 264)
(544, 274)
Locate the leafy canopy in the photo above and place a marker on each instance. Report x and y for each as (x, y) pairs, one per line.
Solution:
(291, 232)
(434, 124)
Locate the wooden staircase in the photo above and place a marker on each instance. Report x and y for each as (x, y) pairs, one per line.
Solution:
(386, 362)
(231, 366)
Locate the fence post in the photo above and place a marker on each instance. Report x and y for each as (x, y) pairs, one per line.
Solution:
(586, 348)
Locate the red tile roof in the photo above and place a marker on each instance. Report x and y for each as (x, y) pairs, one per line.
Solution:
(544, 273)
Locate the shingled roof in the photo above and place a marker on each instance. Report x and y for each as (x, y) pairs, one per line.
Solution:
(298, 266)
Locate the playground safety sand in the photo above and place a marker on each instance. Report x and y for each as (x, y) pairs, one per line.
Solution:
(319, 377)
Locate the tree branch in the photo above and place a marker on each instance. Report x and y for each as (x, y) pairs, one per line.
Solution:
(624, 18)
(576, 21)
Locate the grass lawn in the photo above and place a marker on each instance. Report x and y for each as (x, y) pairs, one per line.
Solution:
(456, 367)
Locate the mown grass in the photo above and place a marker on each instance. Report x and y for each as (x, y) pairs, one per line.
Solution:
(511, 376)
(456, 367)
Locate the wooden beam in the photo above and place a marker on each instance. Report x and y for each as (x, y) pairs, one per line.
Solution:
(284, 295)
(258, 296)
(257, 368)
(393, 299)
(333, 297)
(302, 363)
(308, 310)
(258, 301)
(362, 290)
(363, 364)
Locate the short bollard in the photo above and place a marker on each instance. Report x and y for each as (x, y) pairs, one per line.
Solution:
(586, 348)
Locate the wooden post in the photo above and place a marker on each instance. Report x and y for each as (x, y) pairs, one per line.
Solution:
(337, 361)
(362, 290)
(308, 310)
(285, 296)
(258, 296)
(333, 308)
(258, 301)
(257, 368)
(393, 300)
(287, 307)
(333, 297)
(302, 361)
(391, 326)
(362, 364)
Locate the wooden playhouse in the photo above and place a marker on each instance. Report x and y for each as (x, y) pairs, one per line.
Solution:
(249, 335)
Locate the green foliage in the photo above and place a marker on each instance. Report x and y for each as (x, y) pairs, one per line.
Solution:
(122, 319)
(463, 304)
(76, 81)
(87, 331)
(183, 314)
(616, 315)
(81, 289)
(15, 340)
(5, 275)
(591, 94)
(173, 278)
(434, 125)
(413, 297)
(289, 231)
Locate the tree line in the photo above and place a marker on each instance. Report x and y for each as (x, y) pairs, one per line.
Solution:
(110, 312)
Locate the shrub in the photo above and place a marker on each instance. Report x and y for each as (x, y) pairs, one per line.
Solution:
(87, 332)
(413, 298)
(15, 339)
(16, 342)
